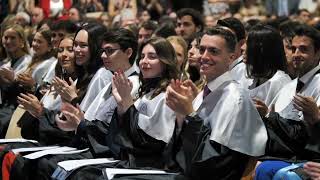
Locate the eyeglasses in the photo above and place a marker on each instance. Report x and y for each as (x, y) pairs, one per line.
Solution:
(108, 51)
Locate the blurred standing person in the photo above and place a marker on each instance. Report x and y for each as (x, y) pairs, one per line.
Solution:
(156, 8)
(116, 6)
(54, 8)
(16, 6)
(281, 7)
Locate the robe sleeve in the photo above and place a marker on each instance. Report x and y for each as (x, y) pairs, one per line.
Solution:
(313, 145)
(45, 129)
(207, 158)
(138, 137)
(93, 134)
(132, 143)
(287, 138)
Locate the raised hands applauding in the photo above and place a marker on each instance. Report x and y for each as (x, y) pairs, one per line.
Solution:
(308, 106)
(26, 80)
(66, 91)
(180, 96)
(70, 117)
(121, 90)
(6, 75)
(31, 104)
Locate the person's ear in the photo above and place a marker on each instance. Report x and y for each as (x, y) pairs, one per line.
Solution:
(198, 28)
(129, 52)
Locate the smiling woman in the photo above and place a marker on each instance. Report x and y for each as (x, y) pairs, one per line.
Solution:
(17, 51)
(65, 69)
(157, 59)
(29, 76)
(18, 58)
(66, 55)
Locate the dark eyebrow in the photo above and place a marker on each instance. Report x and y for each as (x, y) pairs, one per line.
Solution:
(299, 46)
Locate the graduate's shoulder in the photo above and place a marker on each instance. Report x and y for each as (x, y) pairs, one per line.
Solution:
(103, 73)
(280, 77)
(234, 90)
(316, 77)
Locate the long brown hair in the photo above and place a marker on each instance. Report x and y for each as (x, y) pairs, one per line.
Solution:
(58, 69)
(167, 57)
(46, 34)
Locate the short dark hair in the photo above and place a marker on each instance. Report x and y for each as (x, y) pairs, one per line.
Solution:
(197, 17)
(250, 23)
(165, 30)
(80, 10)
(312, 33)
(47, 21)
(125, 38)
(265, 52)
(149, 25)
(230, 37)
(67, 25)
(287, 28)
(235, 25)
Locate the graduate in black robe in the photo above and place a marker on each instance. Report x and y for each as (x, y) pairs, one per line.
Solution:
(139, 132)
(287, 126)
(42, 126)
(221, 129)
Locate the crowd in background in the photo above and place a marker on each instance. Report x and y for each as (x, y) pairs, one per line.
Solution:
(227, 89)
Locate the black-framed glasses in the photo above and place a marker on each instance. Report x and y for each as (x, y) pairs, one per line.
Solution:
(108, 51)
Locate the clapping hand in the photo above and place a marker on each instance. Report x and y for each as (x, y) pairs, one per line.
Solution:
(31, 104)
(25, 79)
(6, 75)
(121, 90)
(312, 169)
(308, 106)
(261, 107)
(66, 91)
(179, 97)
(72, 117)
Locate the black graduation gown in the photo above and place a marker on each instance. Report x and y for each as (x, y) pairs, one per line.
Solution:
(46, 132)
(127, 142)
(8, 106)
(44, 129)
(93, 134)
(89, 134)
(290, 140)
(198, 157)
(201, 157)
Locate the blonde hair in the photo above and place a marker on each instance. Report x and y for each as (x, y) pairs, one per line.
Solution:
(21, 33)
(181, 42)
